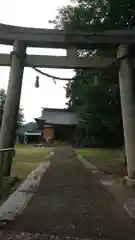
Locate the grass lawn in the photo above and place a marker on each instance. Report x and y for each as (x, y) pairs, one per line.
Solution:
(107, 160)
(27, 158)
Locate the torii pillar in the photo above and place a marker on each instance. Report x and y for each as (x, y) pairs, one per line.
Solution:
(11, 108)
(127, 94)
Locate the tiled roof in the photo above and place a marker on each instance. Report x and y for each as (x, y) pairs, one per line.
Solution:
(58, 116)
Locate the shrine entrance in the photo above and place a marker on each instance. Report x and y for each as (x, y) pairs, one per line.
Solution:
(21, 38)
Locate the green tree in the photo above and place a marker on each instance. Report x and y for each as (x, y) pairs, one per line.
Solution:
(20, 117)
(97, 105)
(2, 103)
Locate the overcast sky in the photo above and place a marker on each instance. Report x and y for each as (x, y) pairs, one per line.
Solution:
(33, 13)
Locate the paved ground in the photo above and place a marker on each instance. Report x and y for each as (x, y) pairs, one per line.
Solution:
(71, 202)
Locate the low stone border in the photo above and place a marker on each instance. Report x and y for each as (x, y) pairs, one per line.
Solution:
(119, 191)
(17, 201)
(39, 236)
(86, 163)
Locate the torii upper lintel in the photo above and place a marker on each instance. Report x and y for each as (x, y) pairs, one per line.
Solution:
(54, 38)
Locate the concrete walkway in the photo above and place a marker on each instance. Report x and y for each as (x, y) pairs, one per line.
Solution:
(71, 202)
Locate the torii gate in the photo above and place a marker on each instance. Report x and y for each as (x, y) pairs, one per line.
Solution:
(21, 38)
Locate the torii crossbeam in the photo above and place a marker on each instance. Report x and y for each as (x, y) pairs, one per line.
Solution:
(64, 62)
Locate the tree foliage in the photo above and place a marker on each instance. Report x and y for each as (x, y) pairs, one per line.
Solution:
(95, 98)
(2, 103)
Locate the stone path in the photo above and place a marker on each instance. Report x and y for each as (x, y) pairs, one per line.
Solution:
(71, 203)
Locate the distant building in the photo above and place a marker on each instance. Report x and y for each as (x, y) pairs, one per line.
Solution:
(56, 124)
(59, 124)
(30, 131)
